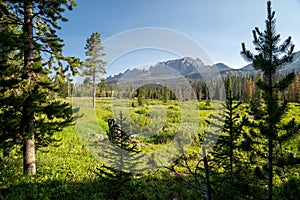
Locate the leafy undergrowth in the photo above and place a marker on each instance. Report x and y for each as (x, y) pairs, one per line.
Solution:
(68, 172)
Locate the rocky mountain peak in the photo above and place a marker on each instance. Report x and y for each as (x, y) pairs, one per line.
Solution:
(195, 68)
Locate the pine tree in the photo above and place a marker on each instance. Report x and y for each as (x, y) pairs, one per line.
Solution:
(222, 159)
(141, 96)
(63, 86)
(118, 173)
(93, 64)
(269, 60)
(225, 153)
(297, 88)
(166, 94)
(247, 89)
(29, 113)
(293, 90)
(256, 103)
(198, 89)
(233, 127)
(227, 142)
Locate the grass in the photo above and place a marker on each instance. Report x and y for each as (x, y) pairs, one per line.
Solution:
(68, 170)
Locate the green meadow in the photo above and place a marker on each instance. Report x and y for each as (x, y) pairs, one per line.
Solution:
(69, 169)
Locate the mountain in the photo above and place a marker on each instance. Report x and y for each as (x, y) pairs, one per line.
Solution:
(193, 69)
(184, 66)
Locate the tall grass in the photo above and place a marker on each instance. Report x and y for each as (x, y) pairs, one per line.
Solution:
(67, 170)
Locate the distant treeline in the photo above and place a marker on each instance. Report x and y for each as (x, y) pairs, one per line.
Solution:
(243, 90)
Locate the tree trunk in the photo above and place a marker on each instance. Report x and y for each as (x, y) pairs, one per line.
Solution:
(270, 166)
(231, 138)
(208, 189)
(29, 148)
(68, 89)
(272, 132)
(28, 116)
(94, 88)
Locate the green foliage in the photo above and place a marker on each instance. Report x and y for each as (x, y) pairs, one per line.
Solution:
(141, 96)
(226, 152)
(269, 59)
(167, 133)
(166, 94)
(257, 109)
(64, 172)
(93, 64)
(289, 189)
(224, 161)
(68, 170)
(94, 51)
(117, 173)
(29, 110)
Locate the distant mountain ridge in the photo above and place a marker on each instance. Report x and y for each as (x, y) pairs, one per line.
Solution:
(195, 69)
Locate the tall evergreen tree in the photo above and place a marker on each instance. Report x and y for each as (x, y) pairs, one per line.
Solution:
(29, 113)
(270, 58)
(232, 127)
(93, 64)
(231, 131)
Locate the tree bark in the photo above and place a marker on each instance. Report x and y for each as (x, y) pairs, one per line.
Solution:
(28, 116)
(29, 148)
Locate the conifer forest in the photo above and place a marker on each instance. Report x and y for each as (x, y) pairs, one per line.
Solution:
(234, 137)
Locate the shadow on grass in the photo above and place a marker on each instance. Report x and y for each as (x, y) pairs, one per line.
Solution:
(53, 189)
(159, 185)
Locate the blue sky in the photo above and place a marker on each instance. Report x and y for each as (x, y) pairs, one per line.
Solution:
(219, 26)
